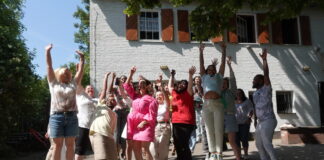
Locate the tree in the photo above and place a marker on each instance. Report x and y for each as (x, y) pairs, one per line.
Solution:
(23, 95)
(82, 37)
(211, 17)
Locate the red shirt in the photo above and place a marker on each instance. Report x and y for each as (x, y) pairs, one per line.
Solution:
(183, 108)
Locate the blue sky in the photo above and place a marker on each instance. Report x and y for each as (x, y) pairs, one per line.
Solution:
(50, 21)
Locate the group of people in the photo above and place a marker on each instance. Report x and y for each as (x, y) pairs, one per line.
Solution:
(139, 118)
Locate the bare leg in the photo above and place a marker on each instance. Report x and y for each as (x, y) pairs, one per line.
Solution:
(231, 138)
(69, 143)
(129, 149)
(146, 146)
(57, 147)
(137, 146)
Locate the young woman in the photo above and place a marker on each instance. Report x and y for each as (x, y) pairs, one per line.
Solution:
(244, 113)
(63, 122)
(228, 95)
(142, 119)
(213, 108)
(160, 147)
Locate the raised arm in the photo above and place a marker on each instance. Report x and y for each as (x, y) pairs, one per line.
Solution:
(201, 59)
(160, 86)
(50, 71)
(110, 89)
(104, 87)
(232, 79)
(222, 65)
(171, 81)
(130, 76)
(79, 73)
(192, 71)
(265, 67)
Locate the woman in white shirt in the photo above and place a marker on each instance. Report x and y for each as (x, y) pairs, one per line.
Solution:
(63, 122)
(160, 146)
(244, 112)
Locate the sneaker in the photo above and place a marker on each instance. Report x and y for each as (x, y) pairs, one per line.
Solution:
(207, 156)
(213, 157)
(219, 157)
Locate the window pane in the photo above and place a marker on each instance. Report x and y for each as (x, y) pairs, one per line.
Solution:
(142, 14)
(245, 29)
(142, 35)
(290, 31)
(148, 14)
(149, 35)
(155, 15)
(156, 35)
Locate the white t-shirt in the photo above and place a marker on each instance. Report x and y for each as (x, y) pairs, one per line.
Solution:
(86, 107)
(243, 110)
(163, 113)
(63, 96)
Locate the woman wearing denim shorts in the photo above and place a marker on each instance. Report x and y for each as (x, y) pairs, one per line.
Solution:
(63, 122)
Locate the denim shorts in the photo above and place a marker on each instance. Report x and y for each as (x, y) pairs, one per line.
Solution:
(230, 123)
(63, 125)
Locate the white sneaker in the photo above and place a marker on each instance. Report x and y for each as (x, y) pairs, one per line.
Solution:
(219, 157)
(213, 157)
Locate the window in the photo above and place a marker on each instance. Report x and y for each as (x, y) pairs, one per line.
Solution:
(149, 26)
(245, 28)
(290, 31)
(284, 101)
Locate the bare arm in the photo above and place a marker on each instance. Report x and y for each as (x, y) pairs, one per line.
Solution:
(171, 81)
(50, 71)
(130, 76)
(111, 83)
(232, 79)
(265, 67)
(79, 74)
(192, 71)
(104, 90)
(201, 59)
(222, 66)
(161, 88)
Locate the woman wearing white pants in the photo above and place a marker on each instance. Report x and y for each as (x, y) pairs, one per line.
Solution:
(213, 108)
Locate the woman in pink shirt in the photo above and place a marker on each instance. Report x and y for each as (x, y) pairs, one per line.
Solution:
(141, 120)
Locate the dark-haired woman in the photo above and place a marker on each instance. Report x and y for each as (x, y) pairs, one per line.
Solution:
(244, 112)
(142, 119)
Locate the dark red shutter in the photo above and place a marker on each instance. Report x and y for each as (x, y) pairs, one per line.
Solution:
(183, 26)
(263, 30)
(306, 37)
(131, 28)
(167, 24)
(232, 36)
(277, 33)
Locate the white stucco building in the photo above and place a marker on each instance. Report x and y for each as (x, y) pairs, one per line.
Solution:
(161, 37)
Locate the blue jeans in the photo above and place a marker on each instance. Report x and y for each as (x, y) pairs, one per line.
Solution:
(63, 125)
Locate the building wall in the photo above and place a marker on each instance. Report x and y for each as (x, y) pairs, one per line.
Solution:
(110, 51)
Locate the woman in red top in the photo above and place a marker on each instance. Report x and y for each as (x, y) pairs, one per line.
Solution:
(183, 114)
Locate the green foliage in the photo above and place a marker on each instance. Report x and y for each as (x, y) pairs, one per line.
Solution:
(82, 38)
(211, 17)
(23, 95)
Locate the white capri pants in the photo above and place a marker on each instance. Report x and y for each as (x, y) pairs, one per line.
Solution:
(263, 138)
(213, 114)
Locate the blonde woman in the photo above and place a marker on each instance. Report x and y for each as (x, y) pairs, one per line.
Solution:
(63, 122)
(160, 146)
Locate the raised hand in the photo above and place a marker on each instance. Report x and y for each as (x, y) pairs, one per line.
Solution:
(159, 81)
(173, 72)
(192, 70)
(133, 70)
(80, 53)
(214, 61)
(264, 54)
(49, 47)
(107, 74)
(201, 47)
(229, 60)
(114, 74)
